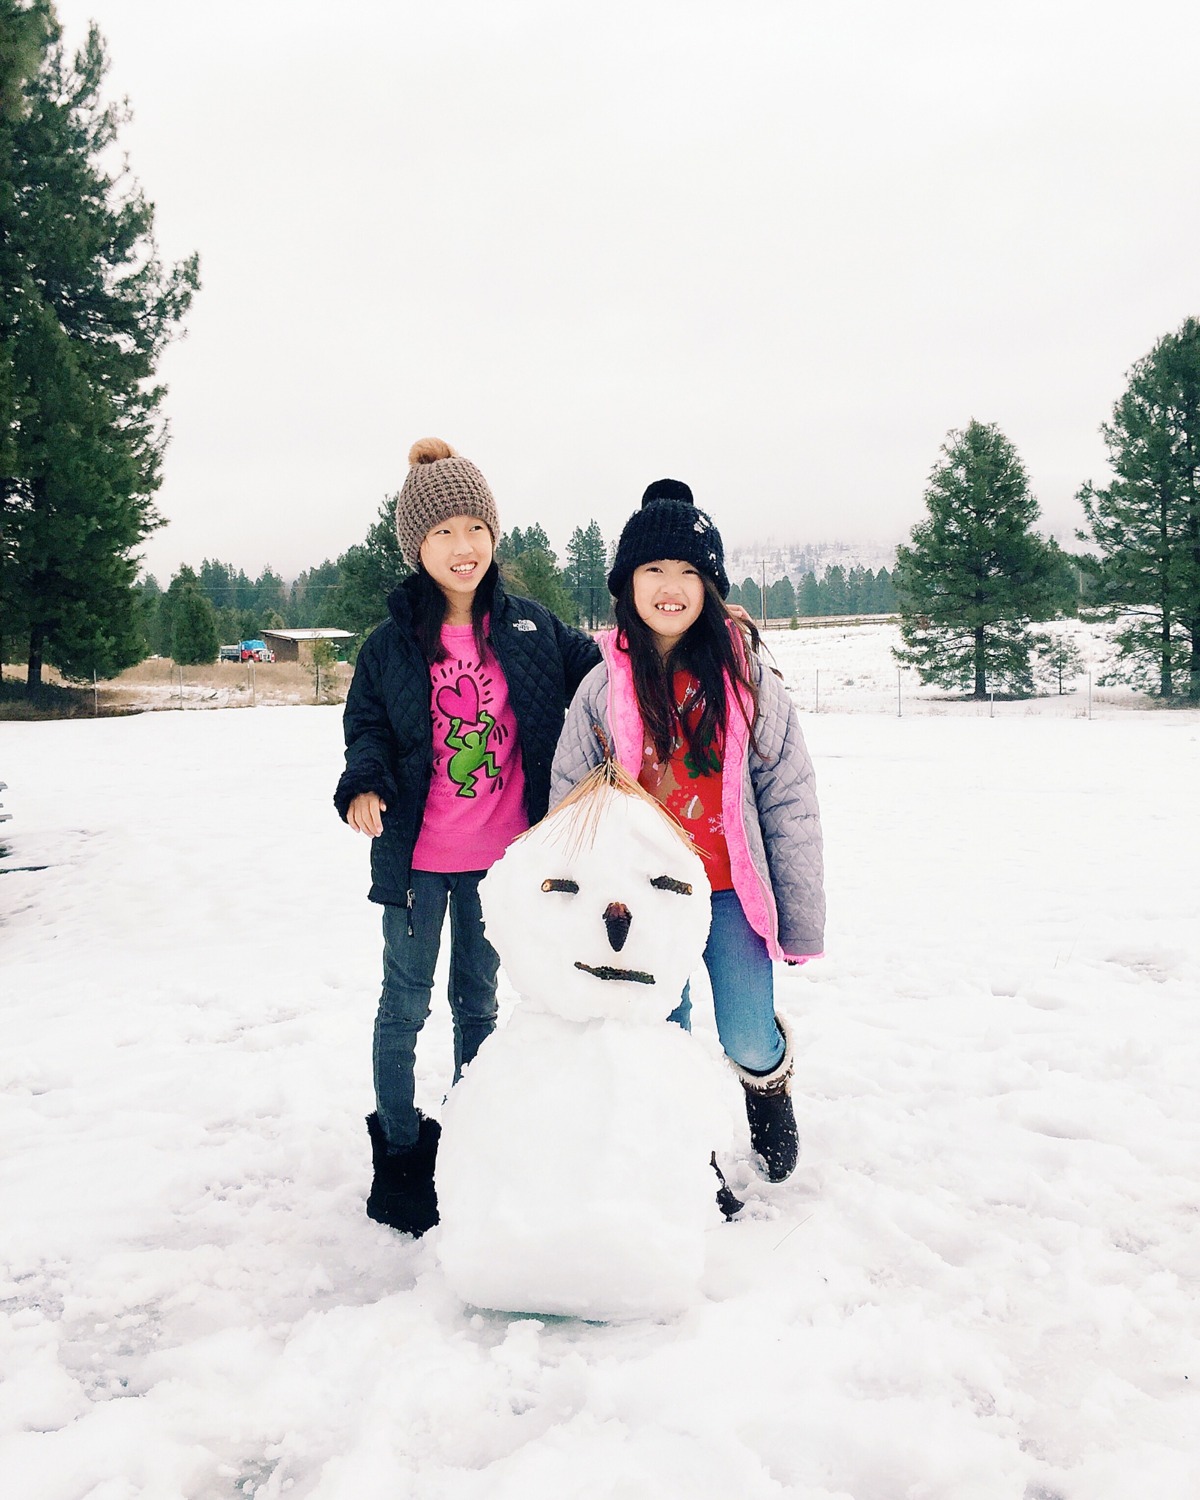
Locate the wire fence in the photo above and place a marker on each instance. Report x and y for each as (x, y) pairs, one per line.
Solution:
(830, 692)
(845, 665)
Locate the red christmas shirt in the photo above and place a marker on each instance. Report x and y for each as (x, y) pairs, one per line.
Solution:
(690, 786)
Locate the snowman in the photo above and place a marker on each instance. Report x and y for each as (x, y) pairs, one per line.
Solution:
(575, 1169)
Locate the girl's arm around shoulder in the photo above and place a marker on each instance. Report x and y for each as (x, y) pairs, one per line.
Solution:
(579, 750)
(576, 650)
(579, 652)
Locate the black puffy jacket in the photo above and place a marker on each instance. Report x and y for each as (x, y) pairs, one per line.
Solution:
(389, 728)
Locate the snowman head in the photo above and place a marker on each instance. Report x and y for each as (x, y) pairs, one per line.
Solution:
(601, 911)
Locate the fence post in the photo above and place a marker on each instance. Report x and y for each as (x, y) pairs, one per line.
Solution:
(180, 671)
(253, 701)
(992, 704)
(95, 695)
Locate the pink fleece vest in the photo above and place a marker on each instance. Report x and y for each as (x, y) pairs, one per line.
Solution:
(754, 893)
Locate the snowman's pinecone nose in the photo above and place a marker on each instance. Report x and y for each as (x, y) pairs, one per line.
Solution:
(617, 919)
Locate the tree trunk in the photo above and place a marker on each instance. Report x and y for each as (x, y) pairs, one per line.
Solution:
(1166, 686)
(1194, 665)
(33, 677)
(980, 665)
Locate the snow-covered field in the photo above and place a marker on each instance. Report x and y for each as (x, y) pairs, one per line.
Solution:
(981, 1284)
(849, 668)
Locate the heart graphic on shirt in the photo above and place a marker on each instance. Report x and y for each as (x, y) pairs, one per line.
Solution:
(460, 701)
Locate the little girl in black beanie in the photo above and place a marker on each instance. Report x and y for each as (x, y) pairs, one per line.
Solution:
(690, 712)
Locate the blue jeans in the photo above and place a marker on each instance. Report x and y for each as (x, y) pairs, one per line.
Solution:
(739, 969)
(409, 959)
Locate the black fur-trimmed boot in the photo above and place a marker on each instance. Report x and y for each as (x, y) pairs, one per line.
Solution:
(402, 1192)
(770, 1114)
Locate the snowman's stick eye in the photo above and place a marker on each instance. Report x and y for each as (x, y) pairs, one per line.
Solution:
(561, 885)
(667, 883)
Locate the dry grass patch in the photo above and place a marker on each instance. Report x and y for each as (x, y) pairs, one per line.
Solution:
(158, 683)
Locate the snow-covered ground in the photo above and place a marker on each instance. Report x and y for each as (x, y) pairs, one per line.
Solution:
(981, 1284)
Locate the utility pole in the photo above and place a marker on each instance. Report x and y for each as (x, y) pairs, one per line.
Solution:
(764, 590)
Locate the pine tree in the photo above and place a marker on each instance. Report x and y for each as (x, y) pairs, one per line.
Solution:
(752, 599)
(809, 601)
(858, 589)
(975, 574)
(1059, 658)
(193, 621)
(1146, 522)
(516, 543)
(24, 33)
(781, 599)
(585, 573)
(886, 602)
(367, 574)
(510, 546)
(86, 309)
(270, 594)
(308, 591)
(146, 596)
(322, 668)
(530, 568)
(833, 590)
(536, 575)
(216, 581)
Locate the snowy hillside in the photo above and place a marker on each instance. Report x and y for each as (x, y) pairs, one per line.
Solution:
(979, 1285)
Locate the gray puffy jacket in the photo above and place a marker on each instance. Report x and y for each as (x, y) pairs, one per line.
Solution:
(768, 796)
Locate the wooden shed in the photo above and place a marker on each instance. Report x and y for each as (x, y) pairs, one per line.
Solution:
(296, 645)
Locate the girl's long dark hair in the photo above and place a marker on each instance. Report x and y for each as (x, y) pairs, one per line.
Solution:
(429, 608)
(707, 651)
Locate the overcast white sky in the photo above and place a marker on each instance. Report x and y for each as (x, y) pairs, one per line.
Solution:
(772, 247)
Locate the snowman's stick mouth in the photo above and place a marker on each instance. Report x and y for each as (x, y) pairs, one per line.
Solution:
(635, 976)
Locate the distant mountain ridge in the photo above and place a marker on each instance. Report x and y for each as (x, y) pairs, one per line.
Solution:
(795, 559)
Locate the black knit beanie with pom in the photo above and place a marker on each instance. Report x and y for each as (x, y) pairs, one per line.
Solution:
(669, 525)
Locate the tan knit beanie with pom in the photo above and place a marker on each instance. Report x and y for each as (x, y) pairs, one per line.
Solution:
(439, 484)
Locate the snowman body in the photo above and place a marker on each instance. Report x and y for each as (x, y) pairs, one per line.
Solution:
(574, 1171)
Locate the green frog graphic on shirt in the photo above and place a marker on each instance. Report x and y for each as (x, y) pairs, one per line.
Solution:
(473, 755)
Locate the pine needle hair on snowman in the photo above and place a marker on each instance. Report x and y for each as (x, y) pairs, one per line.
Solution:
(622, 896)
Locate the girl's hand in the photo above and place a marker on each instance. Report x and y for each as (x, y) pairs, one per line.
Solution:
(738, 613)
(364, 814)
